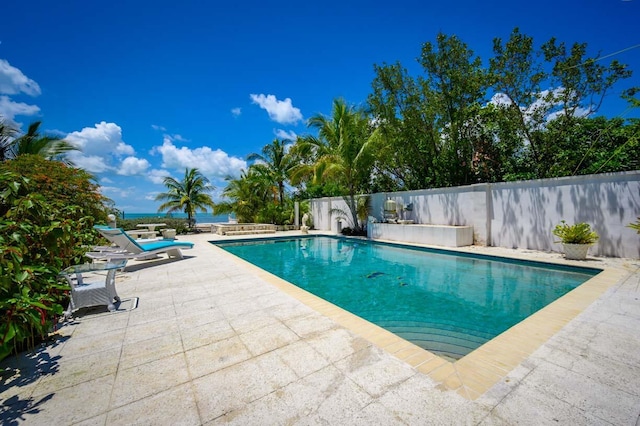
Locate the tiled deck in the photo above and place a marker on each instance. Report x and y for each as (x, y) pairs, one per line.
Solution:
(214, 340)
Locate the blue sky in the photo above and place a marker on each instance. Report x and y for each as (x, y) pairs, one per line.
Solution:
(147, 88)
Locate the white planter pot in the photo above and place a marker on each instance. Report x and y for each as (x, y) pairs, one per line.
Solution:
(576, 251)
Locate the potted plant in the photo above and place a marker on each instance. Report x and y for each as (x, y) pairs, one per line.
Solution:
(576, 239)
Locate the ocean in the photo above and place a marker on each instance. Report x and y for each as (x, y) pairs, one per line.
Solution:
(200, 217)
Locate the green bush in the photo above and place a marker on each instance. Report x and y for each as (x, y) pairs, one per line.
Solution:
(580, 233)
(47, 211)
(180, 225)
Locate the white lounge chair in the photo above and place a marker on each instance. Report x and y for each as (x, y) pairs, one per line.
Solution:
(128, 248)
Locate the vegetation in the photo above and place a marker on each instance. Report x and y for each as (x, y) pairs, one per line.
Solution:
(189, 195)
(635, 225)
(47, 211)
(32, 142)
(580, 233)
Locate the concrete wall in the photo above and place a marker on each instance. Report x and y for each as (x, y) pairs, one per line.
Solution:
(521, 214)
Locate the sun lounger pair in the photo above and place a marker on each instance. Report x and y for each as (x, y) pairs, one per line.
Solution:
(126, 247)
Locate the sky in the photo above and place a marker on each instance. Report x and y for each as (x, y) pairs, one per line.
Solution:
(149, 88)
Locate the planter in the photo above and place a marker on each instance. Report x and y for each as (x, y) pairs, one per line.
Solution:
(576, 251)
(169, 234)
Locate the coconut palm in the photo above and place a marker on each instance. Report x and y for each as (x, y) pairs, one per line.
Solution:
(35, 143)
(7, 135)
(189, 195)
(275, 164)
(245, 196)
(341, 152)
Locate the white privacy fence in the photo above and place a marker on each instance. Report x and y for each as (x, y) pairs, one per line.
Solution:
(517, 214)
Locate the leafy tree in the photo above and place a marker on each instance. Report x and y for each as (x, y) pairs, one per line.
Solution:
(7, 135)
(189, 195)
(47, 211)
(341, 152)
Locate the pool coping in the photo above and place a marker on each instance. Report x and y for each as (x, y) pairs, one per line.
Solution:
(478, 371)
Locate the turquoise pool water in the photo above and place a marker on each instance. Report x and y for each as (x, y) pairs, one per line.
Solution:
(445, 302)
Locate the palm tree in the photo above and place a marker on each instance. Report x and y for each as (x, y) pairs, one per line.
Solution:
(7, 136)
(275, 164)
(246, 196)
(188, 195)
(341, 152)
(32, 142)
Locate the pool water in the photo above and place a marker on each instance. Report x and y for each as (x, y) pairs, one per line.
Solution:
(447, 303)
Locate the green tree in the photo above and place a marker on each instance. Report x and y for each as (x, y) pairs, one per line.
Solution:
(245, 196)
(189, 195)
(275, 164)
(47, 213)
(35, 143)
(7, 135)
(342, 152)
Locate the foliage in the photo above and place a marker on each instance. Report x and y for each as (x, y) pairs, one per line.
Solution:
(635, 225)
(274, 164)
(32, 142)
(528, 115)
(341, 153)
(580, 233)
(189, 195)
(47, 211)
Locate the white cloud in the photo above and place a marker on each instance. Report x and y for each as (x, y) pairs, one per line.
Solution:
(13, 81)
(283, 134)
(159, 128)
(132, 166)
(282, 112)
(157, 175)
(9, 109)
(98, 146)
(151, 196)
(236, 112)
(105, 180)
(116, 190)
(211, 163)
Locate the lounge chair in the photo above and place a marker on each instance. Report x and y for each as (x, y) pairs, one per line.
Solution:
(126, 247)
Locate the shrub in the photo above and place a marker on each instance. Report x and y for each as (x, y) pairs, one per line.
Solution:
(580, 233)
(635, 225)
(47, 211)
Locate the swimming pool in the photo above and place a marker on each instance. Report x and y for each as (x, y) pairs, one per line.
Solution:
(447, 303)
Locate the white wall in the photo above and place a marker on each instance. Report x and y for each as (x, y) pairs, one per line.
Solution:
(521, 214)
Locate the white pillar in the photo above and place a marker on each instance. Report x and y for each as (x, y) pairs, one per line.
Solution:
(296, 214)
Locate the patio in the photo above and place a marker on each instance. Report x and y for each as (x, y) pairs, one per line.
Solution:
(212, 341)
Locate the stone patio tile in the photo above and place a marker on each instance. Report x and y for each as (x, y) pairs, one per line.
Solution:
(247, 323)
(142, 315)
(81, 346)
(93, 326)
(310, 324)
(148, 379)
(601, 401)
(268, 338)
(79, 369)
(195, 319)
(216, 356)
(202, 335)
(217, 393)
(374, 371)
(290, 309)
(176, 406)
(418, 400)
(529, 406)
(148, 350)
(302, 358)
(69, 405)
(151, 330)
(100, 420)
(375, 414)
(335, 344)
(206, 305)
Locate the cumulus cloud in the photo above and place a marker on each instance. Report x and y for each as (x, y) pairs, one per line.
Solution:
(99, 146)
(282, 112)
(283, 134)
(132, 166)
(9, 109)
(13, 81)
(211, 163)
(116, 190)
(157, 175)
(236, 112)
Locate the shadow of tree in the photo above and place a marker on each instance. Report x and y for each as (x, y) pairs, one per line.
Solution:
(22, 370)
